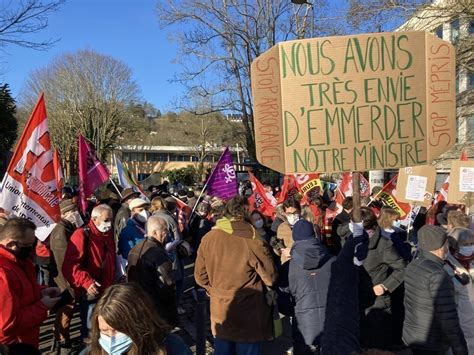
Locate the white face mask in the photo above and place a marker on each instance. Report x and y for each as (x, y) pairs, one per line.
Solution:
(466, 250)
(104, 227)
(351, 227)
(258, 224)
(292, 218)
(142, 216)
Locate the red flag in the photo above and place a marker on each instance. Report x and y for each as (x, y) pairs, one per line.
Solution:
(463, 156)
(309, 186)
(387, 196)
(29, 188)
(346, 185)
(259, 199)
(92, 173)
(58, 171)
(288, 189)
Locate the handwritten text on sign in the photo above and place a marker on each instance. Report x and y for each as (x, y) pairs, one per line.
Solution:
(354, 103)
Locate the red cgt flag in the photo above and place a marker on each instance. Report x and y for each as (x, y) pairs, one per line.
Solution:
(259, 199)
(29, 188)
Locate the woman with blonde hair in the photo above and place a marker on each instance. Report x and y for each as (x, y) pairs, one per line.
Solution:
(389, 223)
(125, 321)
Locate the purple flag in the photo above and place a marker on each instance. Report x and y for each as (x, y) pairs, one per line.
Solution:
(223, 181)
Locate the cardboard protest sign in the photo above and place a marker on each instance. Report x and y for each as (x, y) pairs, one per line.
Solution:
(351, 103)
(461, 183)
(416, 185)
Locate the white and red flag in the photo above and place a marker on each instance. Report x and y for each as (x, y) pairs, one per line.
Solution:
(346, 185)
(92, 173)
(29, 188)
(259, 199)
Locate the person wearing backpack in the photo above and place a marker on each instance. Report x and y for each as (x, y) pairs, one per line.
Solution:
(89, 263)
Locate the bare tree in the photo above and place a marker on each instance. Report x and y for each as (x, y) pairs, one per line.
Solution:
(88, 93)
(22, 18)
(218, 41)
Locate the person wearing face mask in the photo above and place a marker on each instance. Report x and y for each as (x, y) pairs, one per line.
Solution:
(24, 305)
(431, 323)
(458, 266)
(70, 220)
(124, 322)
(150, 267)
(89, 263)
(134, 232)
(258, 221)
(292, 213)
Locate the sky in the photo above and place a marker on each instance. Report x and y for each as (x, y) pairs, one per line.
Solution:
(127, 30)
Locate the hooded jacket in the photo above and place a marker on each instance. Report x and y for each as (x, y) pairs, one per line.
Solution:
(309, 275)
(235, 266)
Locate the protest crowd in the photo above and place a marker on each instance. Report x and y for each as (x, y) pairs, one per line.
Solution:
(260, 253)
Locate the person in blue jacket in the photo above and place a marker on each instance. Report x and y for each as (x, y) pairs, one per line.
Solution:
(134, 232)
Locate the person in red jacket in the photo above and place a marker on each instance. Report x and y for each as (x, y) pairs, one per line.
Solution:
(23, 304)
(89, 263)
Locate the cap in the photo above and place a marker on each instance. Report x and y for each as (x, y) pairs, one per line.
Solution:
(431, 237)
(137, 202)
(67, 205)
(129, 192)
(303, 230)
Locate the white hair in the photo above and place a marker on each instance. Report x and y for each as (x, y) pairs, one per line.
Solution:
(98, 210)
(155, 224)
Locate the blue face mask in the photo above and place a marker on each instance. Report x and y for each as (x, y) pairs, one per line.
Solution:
(397, 223)
(115, 345)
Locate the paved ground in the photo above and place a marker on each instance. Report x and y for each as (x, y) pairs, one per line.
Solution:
(187, 329)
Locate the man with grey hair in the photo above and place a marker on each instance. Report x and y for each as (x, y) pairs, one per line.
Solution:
(150, 266)
(89, 263)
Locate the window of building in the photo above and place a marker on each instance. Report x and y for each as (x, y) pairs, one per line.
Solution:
(439, 32)
(455, 31)
(182, 157)
(152, 156)
(194, 158)
(126, 156)
(471, 26)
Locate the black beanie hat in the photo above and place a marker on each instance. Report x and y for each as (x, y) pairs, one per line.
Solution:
(431, 237)
(303, 230)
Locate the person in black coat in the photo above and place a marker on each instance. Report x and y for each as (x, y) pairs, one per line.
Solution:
(382, 274)
(431, 320)
(199, 225)
(309, 275)
(150, 267)
(341, 328)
